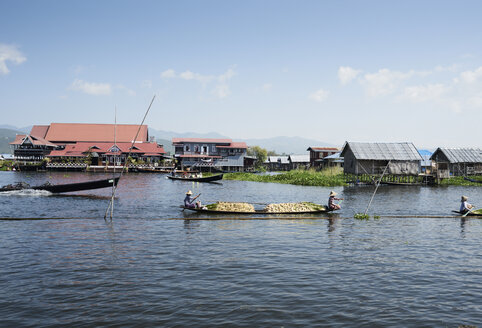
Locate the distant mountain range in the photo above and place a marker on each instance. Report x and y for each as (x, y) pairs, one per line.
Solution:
(6, 137)
(281, 145)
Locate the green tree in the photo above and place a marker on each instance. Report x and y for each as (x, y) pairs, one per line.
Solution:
(261, 155)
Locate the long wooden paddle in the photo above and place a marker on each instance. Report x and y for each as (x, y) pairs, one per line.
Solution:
(469, 211)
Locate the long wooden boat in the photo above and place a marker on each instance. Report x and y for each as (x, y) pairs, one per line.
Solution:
(152, 170)
(472, 213)
(208, 211)
(68, 187)
(198, 179)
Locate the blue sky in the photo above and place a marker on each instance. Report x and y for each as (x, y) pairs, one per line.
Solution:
(380, 71)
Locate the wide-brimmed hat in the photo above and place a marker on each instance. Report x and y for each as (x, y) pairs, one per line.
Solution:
(464, 198)
(332, 193)
(189, 192)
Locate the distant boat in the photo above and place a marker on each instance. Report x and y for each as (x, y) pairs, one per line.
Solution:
(60, 188)
(198, 179)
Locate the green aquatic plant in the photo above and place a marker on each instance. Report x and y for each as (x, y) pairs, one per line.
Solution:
(361, 216)
(324, 178)
(460, 181)
(376, 217)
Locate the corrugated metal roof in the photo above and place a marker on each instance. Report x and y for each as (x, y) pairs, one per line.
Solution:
(283, 159)
(396, 151)
(461, 155)
(277, 159)
(299, 158)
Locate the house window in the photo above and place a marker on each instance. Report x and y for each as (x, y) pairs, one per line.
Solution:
(196, 149)
(186, 148)
(213, 149)
(205, 149)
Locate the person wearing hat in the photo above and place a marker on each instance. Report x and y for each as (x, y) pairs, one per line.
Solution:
(189, 200)
(464, 205)
(331, 202)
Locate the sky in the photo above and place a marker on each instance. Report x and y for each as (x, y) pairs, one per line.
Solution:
(334, 71)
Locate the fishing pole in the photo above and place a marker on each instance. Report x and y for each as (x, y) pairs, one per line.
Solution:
(125, 162)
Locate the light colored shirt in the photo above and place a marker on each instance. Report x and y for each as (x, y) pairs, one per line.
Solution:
(464, 206)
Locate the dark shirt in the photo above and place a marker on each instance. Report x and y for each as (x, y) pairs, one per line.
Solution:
(331, 200)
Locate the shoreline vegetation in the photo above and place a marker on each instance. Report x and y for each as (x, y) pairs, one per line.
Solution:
(329, 177)
(326, 178)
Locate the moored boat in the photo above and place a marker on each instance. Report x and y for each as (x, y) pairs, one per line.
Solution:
(60, 188)
(198, 179)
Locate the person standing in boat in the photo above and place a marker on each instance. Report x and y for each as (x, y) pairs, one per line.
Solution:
(331, 202)
(464, 205)
(189, 200)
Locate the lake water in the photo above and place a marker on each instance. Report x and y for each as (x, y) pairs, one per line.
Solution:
(148, 269)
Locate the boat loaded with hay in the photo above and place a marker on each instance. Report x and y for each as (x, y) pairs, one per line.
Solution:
(246, 208)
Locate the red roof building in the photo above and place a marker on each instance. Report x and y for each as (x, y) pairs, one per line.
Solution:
(29, 147)
(74, 142)
(101, 153)
(65, 133)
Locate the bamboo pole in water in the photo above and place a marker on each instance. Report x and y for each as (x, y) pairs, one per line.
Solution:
(125, 163)
(376, 188)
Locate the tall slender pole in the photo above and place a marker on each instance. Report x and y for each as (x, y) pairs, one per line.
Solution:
(125, 162)
(376, 188)
(113, 171)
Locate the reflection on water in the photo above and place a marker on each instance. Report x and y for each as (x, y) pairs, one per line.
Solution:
(144, 269)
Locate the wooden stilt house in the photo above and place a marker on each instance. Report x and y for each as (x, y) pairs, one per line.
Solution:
(401, 158)
(457, 162)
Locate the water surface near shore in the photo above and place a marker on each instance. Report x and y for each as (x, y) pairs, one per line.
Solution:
(144, 269)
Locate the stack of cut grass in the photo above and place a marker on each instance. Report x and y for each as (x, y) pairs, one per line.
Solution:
(293, 207)
(231, 207)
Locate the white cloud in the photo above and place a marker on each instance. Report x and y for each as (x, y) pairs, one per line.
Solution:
(221, 91)
(130, 92)
(347, 74)
(267, 87)
(425, 92)
(320, 95)
(384, 81)
(471, 76)
(226, 76)
(168, 74)
(91, 88)
(9, 53)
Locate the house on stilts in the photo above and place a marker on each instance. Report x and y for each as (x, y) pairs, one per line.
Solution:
(395, 159)
(457, 162)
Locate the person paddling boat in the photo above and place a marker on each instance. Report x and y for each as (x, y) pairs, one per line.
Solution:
(189, 200)
(464, 205)
(331, 202)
